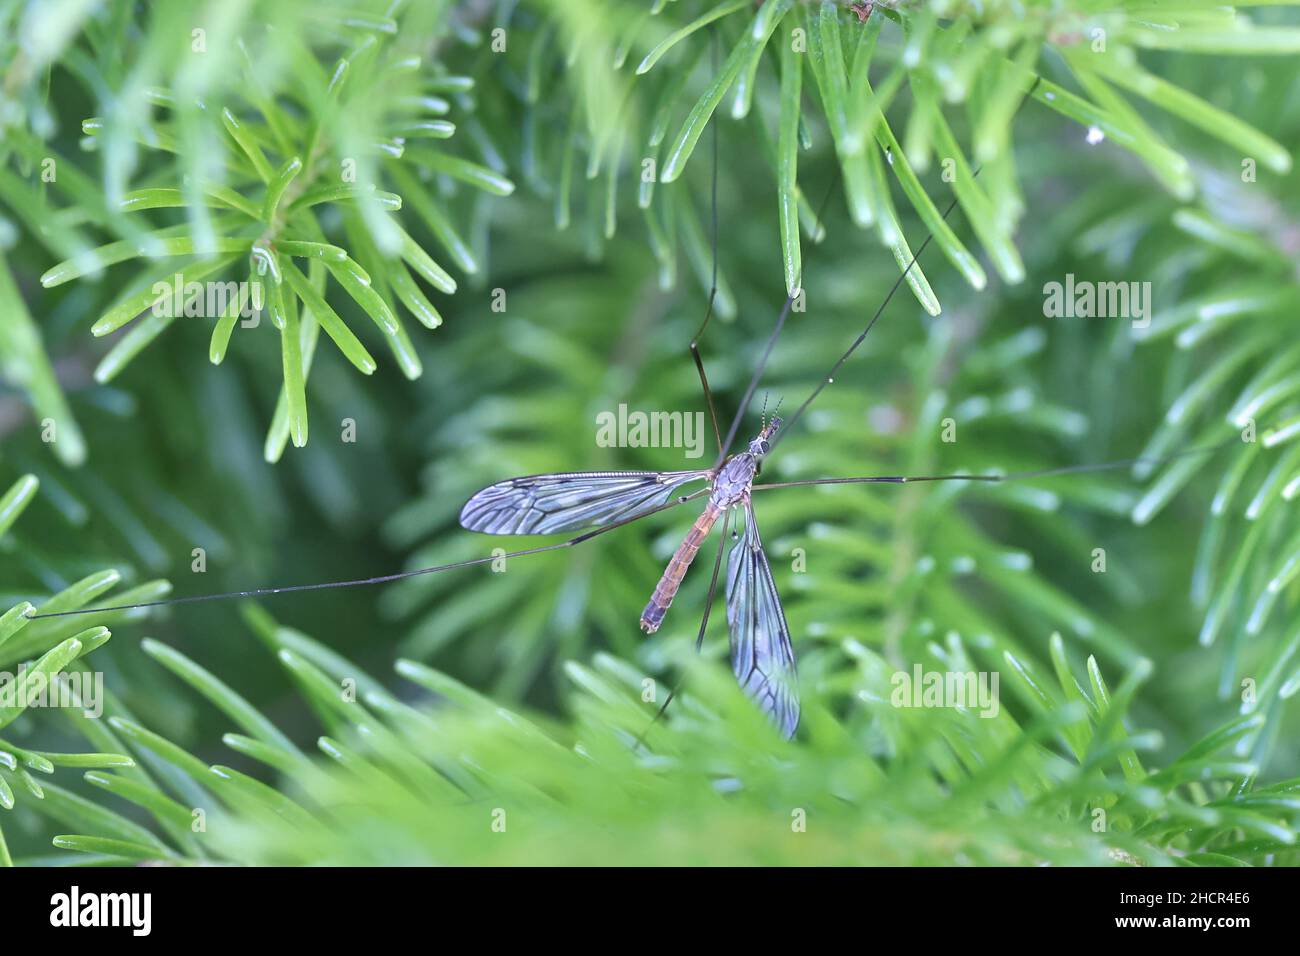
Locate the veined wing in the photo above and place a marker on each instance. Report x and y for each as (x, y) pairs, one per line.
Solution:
(570, 501)
(761, 655)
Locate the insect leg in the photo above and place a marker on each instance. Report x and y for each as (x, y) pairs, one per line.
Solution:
(875, 317)
(1011, 476)
(830, 377)
(713, 282)
(776, 333)
(713, 583)
(695, 344)
(383, 578)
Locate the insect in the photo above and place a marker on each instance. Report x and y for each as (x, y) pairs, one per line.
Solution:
(588, 504)
(761, 654)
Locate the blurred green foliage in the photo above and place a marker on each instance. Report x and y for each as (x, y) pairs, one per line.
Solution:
(1157, 691)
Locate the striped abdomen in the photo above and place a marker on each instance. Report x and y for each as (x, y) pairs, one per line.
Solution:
(654, 612)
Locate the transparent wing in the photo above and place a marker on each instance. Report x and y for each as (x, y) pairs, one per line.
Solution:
(761, 655)
(570, 501)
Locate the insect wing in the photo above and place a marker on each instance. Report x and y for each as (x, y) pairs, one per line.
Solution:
(761, 655)
(572, 501)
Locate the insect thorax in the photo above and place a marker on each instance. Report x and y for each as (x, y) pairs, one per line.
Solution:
(732, 485)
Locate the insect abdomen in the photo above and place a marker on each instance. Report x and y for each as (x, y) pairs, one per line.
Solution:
(654, 612)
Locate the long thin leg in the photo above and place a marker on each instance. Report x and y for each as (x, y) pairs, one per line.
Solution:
(713, 584)
(704, 624)
(771, 343)
(780, 324)
(785, 312)
(699, 367)
(830, 377)
(381, 579)
(1012, 476)
(713, 282)
(877, 479)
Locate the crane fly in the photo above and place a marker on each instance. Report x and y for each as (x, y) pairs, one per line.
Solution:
(596, 503)
(761, 653)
